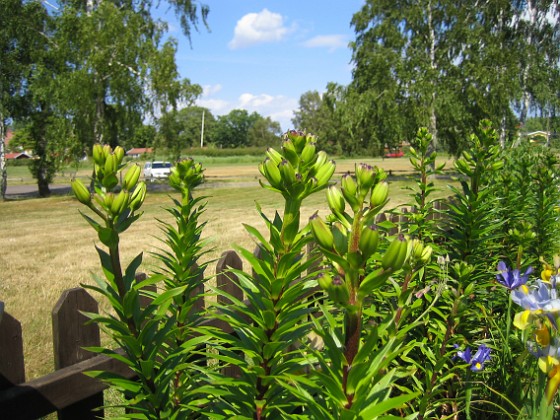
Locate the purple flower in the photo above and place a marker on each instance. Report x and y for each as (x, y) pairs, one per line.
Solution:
(476, 361)
(512, 279)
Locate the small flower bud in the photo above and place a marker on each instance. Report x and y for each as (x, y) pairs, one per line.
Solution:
(137, 197)
(131, 177)
(321, 232)
(379, 194)
(98, 155)
(369, 241)
(335, 200)
(119, 154)
(396, 254)
(80, 191)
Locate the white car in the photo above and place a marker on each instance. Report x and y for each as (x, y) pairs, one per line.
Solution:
(157, 170)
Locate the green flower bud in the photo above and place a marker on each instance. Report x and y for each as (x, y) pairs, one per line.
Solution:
(396, 254)
(137, 197)
(288, 173)
(349, 191)
(271, 172)
(426, 254)
(107, 151)
(338, 291)
(335, 200)
(417, 248)
(120, 202)
(119, 154)
(131, 177)
(307, 155)
(348, 184)
(289, 152)
(108, 201)
(379, 194)
(369, 240)
(111, 165)
(98, 155)
(321, 232)
(324, 280)
(322, 158)
(298, 138)
(325, 173)
(80, 191)
(365, 176)
(274, 156)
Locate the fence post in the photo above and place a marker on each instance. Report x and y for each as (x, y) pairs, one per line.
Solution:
(69, 336)
(228, 282)
(12, 367)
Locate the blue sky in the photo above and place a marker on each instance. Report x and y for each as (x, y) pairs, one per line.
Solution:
(263, 55)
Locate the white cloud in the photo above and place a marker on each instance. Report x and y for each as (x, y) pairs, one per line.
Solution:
(216, 106)
(256, 28)
(248, 100)
(208, 90)
(332, 42)
(279, 108)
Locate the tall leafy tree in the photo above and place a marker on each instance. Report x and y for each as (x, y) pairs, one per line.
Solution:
(264, 132)
(181, 129)
(22, 38)
(232, 130)
(403, 53)
(105, 66)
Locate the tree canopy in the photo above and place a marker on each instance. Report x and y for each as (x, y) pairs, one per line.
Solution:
(97, 70)
(443, 65)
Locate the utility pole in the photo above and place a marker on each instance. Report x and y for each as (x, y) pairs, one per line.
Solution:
(202, 131)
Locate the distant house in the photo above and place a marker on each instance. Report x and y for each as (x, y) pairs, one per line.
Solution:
(139, 152)
(539, 137)
(17, 156)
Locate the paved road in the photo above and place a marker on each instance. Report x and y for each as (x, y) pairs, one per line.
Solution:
(30, 191)
(15, 192)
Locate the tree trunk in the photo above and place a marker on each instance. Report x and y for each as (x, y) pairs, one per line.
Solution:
(433, 68)
(526, 96)
(3, 169)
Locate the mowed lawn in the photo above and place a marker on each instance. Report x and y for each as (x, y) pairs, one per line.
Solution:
(47, 247)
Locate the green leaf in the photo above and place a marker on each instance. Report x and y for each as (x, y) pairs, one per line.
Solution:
(108, 237)
(379, 408)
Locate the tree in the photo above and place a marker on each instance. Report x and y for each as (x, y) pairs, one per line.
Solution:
(264, 132)
(448, 65)
(144, 136)
(23, 25)
(316, 115)
(181, 129)
(232, 130)
(103, 68)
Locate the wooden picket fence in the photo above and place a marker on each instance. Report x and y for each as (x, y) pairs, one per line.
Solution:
(67, 391)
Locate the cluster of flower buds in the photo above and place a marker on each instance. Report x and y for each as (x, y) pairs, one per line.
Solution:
(298, 169)
(186, 175)
(106, 201)
(421, 253)
(368, 184)
(107, 162)
(351, 243)
(336, 288)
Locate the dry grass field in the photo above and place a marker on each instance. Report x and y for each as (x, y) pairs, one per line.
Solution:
(47, 247)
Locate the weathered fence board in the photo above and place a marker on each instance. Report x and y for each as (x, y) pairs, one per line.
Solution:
(70, 335)
(57, 390)
(12, 368)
